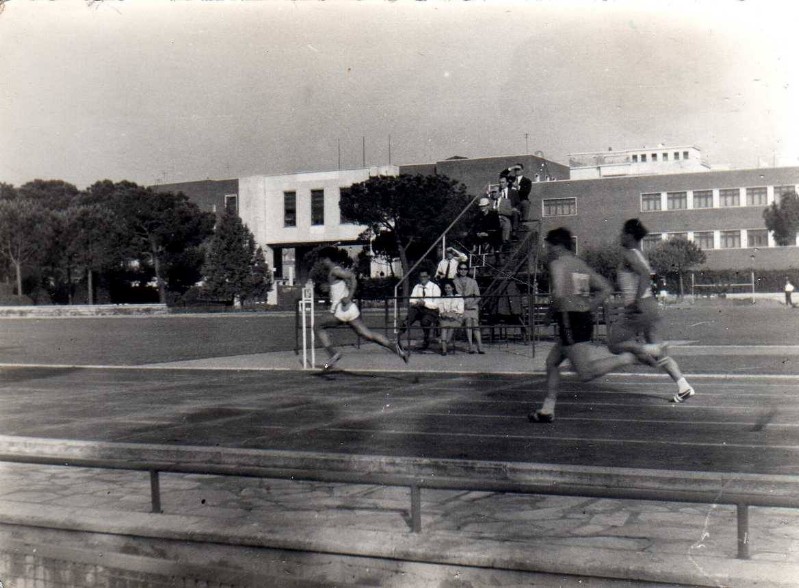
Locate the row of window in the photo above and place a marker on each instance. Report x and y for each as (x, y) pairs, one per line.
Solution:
(699, 199)
(290, 208)
(727, 239)
(664, 156)
(684, 200)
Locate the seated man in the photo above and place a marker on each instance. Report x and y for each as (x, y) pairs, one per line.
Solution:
(423, 307)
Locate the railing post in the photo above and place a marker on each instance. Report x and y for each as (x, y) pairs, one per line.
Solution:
(155, 491)
(743, 530)
(416, 509)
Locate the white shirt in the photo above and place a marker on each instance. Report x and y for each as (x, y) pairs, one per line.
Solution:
(448, 268)
(429, 294)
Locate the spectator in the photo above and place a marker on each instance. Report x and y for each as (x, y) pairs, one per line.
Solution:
(448, 267)
(487, 229)
(507, 207)
(788, 292)
(450, 311)
(467, 287)
(423, 307)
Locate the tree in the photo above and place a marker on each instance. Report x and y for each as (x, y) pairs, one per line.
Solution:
(676, 255)
(408, 210)
(783, 219)
(50, 194)
(604, 259)
(89, 243)
(25, 230)
(235, 267)
(157, 226)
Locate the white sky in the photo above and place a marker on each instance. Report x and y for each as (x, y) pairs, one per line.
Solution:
(175, 91)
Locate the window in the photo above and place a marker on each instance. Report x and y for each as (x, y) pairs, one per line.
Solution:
(232, 203)
(317, 207)
(343, 218)
(676, 155)
(559, 207)
(677, 236)
(643, 158)
(703, 198)
(756, 196)
(730, 197)
(780, 190)
(654, 157)
(665, 157)
(635, 158)
(651, 241)
(289, 209)
(677, 200)
(703, 239)
(730, 239)
(650, 202)
(685, 155)
(757, 238)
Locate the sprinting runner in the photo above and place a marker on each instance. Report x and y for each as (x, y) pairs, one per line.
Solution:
(576, 291)
(344, 311)
(641, 314)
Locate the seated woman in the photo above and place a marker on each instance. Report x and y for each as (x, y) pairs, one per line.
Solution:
(450, 312)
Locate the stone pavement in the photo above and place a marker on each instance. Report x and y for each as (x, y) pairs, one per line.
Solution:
(479, 538)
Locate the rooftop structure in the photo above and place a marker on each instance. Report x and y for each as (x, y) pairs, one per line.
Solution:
(637, 162)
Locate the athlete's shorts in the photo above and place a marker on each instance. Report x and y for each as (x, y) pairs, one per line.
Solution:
(574, 327)
(642, 320)
(348, 315)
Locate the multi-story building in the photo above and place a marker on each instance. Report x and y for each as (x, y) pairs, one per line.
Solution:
(672, 189)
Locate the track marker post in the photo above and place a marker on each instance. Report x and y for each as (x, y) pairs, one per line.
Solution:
(307, 312)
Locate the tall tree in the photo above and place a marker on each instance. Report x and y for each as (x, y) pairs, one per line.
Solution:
(25, 230)
(676, 256)
(90, 242)
(158, 226)
(783, 219)
(50, 194)
(410, 210)
(235, 266)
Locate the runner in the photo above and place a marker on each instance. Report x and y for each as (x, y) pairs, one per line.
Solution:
(344, 311)
(641, 314)
(576, 291)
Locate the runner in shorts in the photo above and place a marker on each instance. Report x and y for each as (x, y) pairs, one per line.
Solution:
(343, 311)
(576, 291)
(641, 313)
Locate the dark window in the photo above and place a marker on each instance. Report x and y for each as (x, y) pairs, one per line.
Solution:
(703, 198)
(665, 157)
(317, 207)
(704, 239)
(780, 190)
(289, 209)
(651, 241)
(730, 197)
(654, 157)
(635, 158)
(559, 207)
(685, 155)
(730, 239)
(231, 203)
(676, 156)
(677, 200)
(343, 218)
(757, 238)
(643, 158)
(650, 202)
(756, 196)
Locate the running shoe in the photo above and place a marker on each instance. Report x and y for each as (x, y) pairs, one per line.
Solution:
(332, 361)
(401, 352)
(540, 417)
(684, 395)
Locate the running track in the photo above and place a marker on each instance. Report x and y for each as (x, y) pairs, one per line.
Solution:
(733, 424)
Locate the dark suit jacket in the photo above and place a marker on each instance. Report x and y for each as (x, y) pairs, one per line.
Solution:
(524, 187)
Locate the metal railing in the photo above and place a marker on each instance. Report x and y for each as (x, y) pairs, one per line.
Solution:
(417, 474)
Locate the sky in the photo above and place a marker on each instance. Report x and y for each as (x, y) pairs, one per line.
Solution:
(158, 91)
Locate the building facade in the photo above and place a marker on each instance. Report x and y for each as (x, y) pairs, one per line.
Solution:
(721, 211)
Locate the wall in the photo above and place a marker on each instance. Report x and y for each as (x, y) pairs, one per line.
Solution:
(604, 204)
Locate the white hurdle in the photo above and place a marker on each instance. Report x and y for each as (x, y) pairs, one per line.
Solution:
(307, 311)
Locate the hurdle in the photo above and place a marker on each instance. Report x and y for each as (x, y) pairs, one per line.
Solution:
(307, 313)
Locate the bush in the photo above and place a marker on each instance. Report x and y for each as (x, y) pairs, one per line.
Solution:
(13, 300)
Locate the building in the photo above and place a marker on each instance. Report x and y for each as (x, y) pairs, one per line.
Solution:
(721, 211)
(636, 162)
(672, 189)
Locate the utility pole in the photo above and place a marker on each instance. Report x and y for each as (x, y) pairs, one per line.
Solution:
(338, 141)
(526, 146)
(363, 151)
(389, 149)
